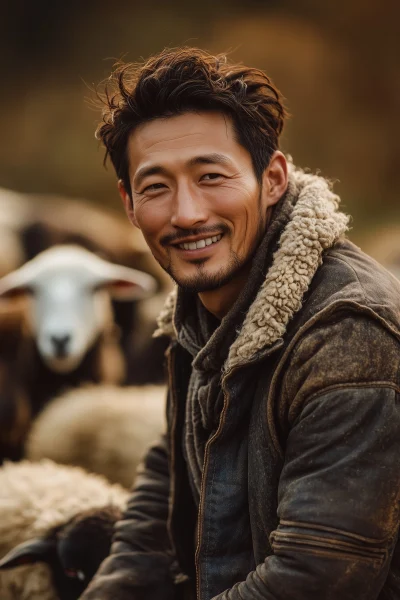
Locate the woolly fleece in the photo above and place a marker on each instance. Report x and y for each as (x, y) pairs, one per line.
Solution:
(104, 429)
(314, 226)
(35, 498)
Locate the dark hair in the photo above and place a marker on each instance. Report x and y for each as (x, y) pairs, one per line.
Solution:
(189, 79)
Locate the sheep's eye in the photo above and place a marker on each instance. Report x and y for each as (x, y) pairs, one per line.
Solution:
(75, 574)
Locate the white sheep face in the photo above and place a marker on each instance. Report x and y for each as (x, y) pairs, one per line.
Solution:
(67, 315)
(70, 306)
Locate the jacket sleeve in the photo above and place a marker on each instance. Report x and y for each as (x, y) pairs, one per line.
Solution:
(141, 559)
(338, 502)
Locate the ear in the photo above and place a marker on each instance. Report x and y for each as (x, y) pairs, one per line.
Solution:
(17, 283)
(275, 179)
(124, 283)
(15, 292)
(28, 553)
(9, 289)
(127, 202)
(124, 290)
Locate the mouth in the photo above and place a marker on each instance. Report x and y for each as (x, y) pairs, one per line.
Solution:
(199, 244)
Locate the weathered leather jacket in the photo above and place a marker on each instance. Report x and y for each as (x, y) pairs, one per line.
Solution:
(300, 487)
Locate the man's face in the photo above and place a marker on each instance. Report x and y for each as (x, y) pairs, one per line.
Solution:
(195, 198)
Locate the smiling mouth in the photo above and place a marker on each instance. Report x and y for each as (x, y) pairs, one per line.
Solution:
(199, 244)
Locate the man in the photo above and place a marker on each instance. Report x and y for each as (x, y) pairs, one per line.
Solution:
(279, 474)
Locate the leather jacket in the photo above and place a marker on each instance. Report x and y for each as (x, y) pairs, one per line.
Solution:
(300, 490)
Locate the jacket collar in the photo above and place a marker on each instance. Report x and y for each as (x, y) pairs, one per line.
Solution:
(315, 225)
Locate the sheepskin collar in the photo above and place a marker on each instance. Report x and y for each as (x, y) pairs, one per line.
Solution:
(314, 226)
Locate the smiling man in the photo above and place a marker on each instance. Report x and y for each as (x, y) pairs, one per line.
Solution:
(203, 212)
(278, 477)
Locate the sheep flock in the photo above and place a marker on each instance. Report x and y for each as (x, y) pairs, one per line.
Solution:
(82, 391)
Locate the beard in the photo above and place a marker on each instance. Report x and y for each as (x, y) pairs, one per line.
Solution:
(202, 281)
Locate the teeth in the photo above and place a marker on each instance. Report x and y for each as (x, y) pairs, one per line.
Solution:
(200, 243)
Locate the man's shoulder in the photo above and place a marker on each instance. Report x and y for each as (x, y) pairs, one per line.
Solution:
(348, 350)
(350, 279)
(348, 331)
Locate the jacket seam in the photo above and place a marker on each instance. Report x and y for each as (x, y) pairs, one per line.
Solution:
(353, 385)
(317, 527)
(200, 513)
(398, 376)
(291, 347)
(351, 268)
(171, 441)
(334, 546)
(208, 535)
(304, 538)
(331, 554)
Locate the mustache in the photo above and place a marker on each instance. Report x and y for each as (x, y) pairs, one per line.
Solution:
(184, 233)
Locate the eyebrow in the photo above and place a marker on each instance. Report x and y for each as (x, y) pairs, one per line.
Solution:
(144, 172)
(210, 159)
(205, 159)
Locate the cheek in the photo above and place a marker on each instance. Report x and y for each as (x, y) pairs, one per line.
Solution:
(233, 202)
(239, 209)
(152, 219)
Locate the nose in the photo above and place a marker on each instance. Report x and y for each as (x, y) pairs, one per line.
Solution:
(60, 344)
(190, 209)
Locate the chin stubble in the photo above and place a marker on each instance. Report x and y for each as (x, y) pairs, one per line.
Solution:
(204, 282)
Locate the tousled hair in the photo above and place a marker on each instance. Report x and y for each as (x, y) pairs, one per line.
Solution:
(181, 80)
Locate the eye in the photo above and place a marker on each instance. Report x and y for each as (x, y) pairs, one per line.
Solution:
(211, 176)
(153, 187)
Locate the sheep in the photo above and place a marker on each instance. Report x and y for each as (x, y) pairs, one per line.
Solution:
(41, 221)
(11, 251)
(15, 412)
(70, 308)
(104, 429)
(60, 220)
(55, 529)
(45, 220)
(73, 336)
(12, 212)
(33, 223)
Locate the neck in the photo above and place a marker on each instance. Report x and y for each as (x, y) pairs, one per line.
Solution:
(219, 302)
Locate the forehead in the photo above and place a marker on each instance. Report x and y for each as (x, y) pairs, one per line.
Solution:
(65, 281)
(182, 137)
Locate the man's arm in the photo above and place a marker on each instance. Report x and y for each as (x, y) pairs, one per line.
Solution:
(339, 488)
(139, 566)
(337, 502)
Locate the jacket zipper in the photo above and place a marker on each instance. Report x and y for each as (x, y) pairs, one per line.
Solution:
(200, 513)
(171, 373)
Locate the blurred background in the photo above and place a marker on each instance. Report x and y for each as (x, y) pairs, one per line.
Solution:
(338, 66)
(336, 63)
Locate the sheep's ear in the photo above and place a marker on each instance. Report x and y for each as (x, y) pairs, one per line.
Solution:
(125, 290)
(15, 284)
(15, 292)
(128, 284)
(27, 553)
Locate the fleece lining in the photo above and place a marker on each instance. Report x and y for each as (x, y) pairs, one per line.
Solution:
(315, 225)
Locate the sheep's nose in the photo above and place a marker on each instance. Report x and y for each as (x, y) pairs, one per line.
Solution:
(60, 343)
